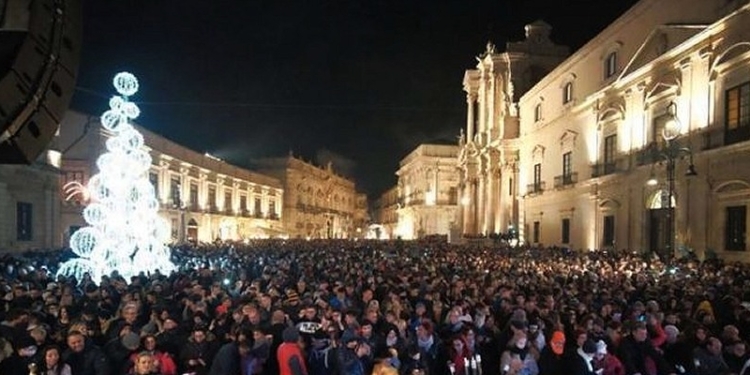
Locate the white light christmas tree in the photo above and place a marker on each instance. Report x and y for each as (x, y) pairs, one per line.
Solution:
(125, 233)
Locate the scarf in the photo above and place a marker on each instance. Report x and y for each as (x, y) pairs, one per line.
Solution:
(425, 344)
(587, 359)
(521, 353)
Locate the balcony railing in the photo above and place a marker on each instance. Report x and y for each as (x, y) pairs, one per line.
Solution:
(737, 135)
(535, 188)
(566, 180)
(606, 168)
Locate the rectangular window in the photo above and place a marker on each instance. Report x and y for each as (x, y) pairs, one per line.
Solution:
(738, 106)
(73, 176)
(565, 231)
(257, 209)
(243, 203)
(610, 152)
(609, 230)
(567, 167)
(23, 221)
(174, 190)
(536, 232)
(153, 178)
(537, 176)
(568, 93)
(227, 200)
(736, 227)
(175, 228)
(194, 194)
(212, 197)
(272, 208)
(610, 67)
(452, 195)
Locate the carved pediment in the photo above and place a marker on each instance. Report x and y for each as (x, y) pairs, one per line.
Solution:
(662, 39)
(537, 153)
(568, 139)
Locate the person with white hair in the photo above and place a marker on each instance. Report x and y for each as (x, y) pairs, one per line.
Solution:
(607, 362)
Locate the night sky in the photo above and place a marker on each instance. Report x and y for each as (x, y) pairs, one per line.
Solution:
(359, 82)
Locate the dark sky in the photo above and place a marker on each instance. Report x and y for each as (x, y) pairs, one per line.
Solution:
(359, 81)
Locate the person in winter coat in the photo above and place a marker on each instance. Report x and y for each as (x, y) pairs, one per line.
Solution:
(608, 363)
(289, 355)
(198, 353)
(162, 362)
(552, 360)
(84, 357)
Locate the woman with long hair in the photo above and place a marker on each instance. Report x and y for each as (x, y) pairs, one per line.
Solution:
(52, 364)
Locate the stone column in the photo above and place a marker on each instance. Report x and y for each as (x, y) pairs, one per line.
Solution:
(471, 100)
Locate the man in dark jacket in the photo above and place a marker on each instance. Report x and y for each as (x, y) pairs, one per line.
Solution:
(84, 357)
(635, 349)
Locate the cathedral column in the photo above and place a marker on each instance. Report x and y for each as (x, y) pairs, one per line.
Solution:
(471, 100)
(482, 202)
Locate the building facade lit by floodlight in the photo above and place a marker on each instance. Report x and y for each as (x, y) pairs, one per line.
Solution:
(427, 193)
(581, 154)
(201, 197)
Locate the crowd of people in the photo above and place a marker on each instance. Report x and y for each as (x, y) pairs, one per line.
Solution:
(328, 307)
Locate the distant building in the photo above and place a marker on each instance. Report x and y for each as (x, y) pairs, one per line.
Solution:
(30, 203)
(318, 203)
(427, 192)
(385, 215)
(567, 159)
(201, 197)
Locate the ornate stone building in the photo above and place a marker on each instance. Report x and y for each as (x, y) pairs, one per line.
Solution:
(30, 203)
(606, 145)
(318, 203)
(427, 192)
(202, 198)
(488, 158)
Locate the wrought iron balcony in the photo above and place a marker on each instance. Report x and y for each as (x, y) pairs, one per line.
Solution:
(566, 180)
(535, 188)
(606, 168)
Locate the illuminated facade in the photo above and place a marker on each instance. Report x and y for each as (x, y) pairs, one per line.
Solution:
(588, 136)
(385, 212)
(318, 203)
(201, 197)
(427, 192)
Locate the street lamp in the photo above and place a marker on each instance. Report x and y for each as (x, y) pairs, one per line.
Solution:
(671, 152)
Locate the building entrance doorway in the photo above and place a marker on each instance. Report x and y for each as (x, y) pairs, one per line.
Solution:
(659, 224)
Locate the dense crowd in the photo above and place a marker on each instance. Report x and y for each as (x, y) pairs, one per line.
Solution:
(378, 307)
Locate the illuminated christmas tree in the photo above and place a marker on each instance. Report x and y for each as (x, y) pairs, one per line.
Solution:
(125, 233)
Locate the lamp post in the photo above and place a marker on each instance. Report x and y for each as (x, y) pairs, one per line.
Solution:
(670, 153)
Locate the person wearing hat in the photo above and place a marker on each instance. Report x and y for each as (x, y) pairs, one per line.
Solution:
(552, 360)
(25, 354)
(289, 354)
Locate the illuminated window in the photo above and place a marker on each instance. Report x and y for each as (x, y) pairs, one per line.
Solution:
(738, 114)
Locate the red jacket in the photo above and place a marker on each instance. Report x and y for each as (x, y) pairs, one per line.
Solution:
(285, 353)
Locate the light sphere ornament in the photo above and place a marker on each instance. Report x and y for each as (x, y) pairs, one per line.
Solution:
(78, 268)
(125, 83)
(84, 241)
(112, 120)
